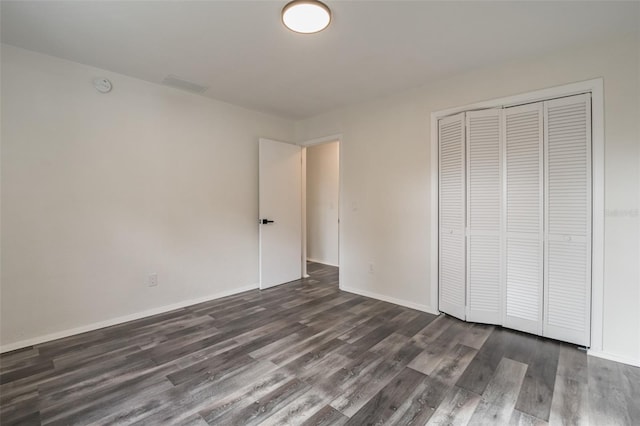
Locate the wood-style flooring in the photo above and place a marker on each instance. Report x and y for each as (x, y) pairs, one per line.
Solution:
(308, 353)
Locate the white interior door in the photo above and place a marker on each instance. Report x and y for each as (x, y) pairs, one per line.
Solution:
(567, 276)
(280, 206)
(523, 236)
(451, 203)
(484, 216)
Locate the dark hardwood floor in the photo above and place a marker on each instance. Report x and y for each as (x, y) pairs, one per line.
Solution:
(308, 353)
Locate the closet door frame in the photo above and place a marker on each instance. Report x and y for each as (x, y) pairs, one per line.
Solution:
(596, 88)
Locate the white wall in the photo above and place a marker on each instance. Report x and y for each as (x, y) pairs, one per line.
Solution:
(99, 190)
(322, 203)
(386, 177)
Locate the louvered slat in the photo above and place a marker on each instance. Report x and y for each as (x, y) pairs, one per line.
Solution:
(452, 183)
(522, 229)
(484, 216)
(567, 277)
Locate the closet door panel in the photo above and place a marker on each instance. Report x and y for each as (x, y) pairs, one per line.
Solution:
(484, 195)
(567, 277)
(452, 198)
(523, 215)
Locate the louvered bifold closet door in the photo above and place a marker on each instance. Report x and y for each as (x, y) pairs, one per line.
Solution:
(523, 215)
(451, 258)
(567, 275)
(484, 212)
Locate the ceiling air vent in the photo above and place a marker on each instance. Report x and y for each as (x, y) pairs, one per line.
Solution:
(178, 83)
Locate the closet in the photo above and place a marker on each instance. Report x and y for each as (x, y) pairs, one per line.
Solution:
(515, 217)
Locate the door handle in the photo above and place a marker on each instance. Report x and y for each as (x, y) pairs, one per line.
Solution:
(265, 221)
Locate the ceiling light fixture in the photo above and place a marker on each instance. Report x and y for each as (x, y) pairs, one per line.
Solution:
(306, 16)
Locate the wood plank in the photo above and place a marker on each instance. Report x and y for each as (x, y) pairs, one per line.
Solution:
(631, 391)
(518, 418)
(539, 381)
(260, 410)
(390, 344)
(371, 339)
(385, 403)
(300, 410)
(195, 420)
(307, 345)
(274, 348)
(17, 355)
(433, 330)
(456, 409)
(417, 324)
(420, 405)
(356, 393)
(95, 405)
(500, 396)
(476, 335)
(435, 351)
(185, 400)
(20, 412)
(607, 400)
(211, 369)
(20, 373)
(521, 347)
(570, 402)
(314, 357)
(481, 370)
(572, 363)
(335, 383)
(449, 370)
(22, 419)
(31, 358)
(320, 368)
(99, 378)
(225, 406)
(327, 416)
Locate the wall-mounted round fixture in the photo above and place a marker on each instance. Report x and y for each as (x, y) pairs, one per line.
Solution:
(306, 16)
(102, 85)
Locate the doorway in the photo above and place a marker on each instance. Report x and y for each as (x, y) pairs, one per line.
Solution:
(321, 202)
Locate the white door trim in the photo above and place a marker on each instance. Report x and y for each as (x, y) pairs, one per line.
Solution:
(305, 144)
(596, 88)
(324, 139)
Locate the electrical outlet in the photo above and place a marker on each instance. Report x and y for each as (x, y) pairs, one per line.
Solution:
(371, 269)
(152, 281)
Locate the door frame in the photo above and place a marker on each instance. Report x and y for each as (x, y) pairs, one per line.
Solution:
(305, 145)
(596, 88)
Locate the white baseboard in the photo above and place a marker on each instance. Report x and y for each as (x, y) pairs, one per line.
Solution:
(412, 305)
(321, 262)
(612, 357)
(119, 320)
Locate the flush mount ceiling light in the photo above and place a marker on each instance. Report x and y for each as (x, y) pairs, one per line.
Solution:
(306, 16)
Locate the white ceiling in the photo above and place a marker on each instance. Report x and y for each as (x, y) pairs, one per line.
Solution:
(242, 52)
